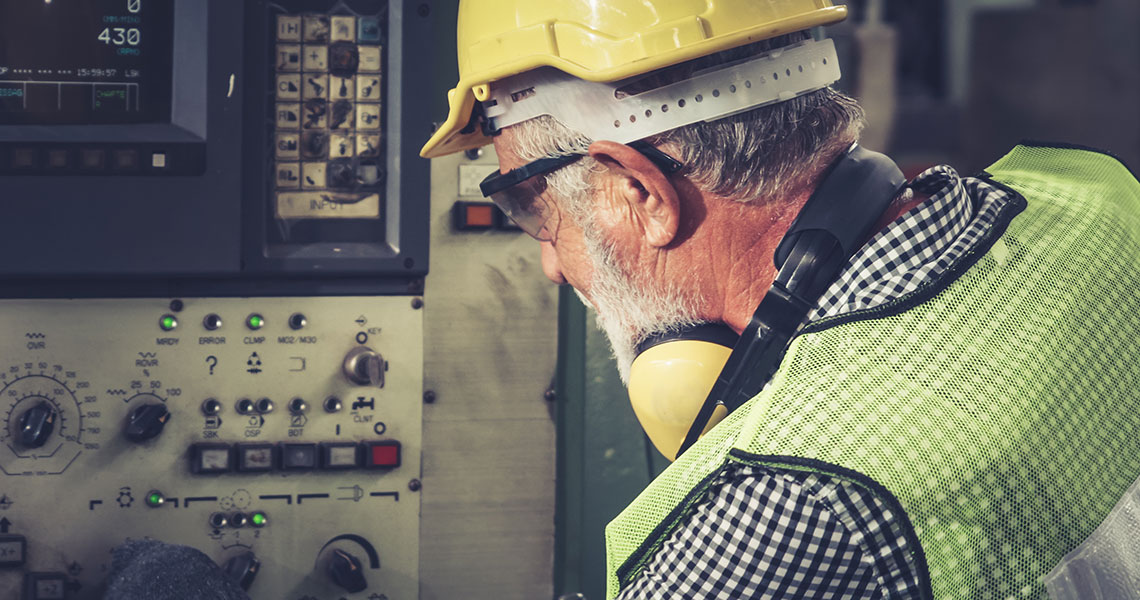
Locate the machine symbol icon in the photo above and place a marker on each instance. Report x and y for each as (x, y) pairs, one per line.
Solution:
(125, 498)
(254, 363)
(354, 493)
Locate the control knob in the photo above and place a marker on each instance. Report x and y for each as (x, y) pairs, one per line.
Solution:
(36, 424)
(346, 571)
(146, 422)
(365, 366)
(243, 569)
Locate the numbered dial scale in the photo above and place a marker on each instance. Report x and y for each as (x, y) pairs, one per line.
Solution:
(280, 436)
(46, 419)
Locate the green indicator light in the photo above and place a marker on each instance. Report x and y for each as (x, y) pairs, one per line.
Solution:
(168, 322)
(255, 321)
(258, 519)
(155, 499)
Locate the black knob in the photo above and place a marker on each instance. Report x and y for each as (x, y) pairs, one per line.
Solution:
(346, 571)
(365, 366)
(36, 424)
(243, 569)
(146, 422)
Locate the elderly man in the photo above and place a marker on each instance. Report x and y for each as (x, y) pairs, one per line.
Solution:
(953, 409)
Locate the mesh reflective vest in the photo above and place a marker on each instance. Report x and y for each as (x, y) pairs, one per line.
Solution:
(996, 410)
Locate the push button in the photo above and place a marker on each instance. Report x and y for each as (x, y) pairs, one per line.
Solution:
(367, 145)
(343, 29)
(469, 216)
(382, 454)
(369, 59)
(315, 86)
(340, 455)
(289, 28)
(13, 550)
(207, 458)
(369, 29)
(58, 159)
(368, 88)
(288, 175)
(315, 58)
(91, 159)
(344, 59)
(288, 115)
(23, 158)
(254, 458)
(341, 146)
(45, 586)
(289, 87)
(126, 160)
(316, 28)
(288, 145)
(288, 57)
(313, 175)
(298, 457)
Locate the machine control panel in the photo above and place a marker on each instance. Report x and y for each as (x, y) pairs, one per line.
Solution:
(280, 436)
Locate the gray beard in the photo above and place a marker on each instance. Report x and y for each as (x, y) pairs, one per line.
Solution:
(630, 309)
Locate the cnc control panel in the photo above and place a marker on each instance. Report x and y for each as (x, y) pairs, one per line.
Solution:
(280, 436)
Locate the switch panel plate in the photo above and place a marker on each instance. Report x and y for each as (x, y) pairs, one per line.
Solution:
(87, 488)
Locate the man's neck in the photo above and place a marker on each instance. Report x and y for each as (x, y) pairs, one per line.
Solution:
(751, 269)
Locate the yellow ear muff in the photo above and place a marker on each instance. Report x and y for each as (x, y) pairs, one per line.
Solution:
(668, 383)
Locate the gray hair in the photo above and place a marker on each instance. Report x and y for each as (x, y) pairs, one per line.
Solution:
(771, 151)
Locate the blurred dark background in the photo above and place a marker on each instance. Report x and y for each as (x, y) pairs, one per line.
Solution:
(961, 81)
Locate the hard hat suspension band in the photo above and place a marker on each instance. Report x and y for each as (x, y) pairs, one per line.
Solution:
(601, 111)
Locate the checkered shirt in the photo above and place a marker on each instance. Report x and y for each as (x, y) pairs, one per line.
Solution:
(770, 533)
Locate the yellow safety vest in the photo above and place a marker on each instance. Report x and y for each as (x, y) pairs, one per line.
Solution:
(996, 411)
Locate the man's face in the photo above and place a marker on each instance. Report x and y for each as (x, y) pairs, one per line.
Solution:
(565, 258)
(603, 256)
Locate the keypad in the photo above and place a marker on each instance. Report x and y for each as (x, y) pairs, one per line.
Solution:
(328, 118)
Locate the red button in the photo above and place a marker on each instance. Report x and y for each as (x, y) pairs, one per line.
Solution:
(383, 454)
(480, 216)
(473, 215)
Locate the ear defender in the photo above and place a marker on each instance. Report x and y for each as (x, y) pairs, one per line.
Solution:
(670, 378)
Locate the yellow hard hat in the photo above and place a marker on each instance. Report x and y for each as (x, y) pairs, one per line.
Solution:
(600, 40)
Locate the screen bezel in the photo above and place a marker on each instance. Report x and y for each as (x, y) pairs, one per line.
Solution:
(399, 244)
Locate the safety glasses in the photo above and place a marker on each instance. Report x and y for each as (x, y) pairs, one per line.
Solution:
(518, 192)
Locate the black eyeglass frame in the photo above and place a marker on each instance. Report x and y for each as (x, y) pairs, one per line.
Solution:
(497, 182)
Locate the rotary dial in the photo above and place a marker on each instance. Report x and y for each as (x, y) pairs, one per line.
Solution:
(44, 419)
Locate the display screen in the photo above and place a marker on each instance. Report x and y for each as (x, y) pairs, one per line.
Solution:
(85, 61)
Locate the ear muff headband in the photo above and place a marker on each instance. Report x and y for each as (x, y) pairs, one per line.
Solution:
(835, 221)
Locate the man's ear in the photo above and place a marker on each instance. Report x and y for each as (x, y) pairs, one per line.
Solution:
(651, 195)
